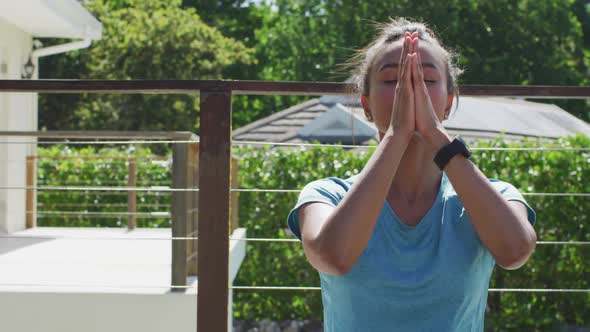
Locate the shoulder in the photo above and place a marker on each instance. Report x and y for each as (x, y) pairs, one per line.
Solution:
(332, 186)
(505, 188)
(329, 190)
(499, 184)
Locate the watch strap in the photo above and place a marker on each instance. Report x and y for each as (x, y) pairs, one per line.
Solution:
(447, 152)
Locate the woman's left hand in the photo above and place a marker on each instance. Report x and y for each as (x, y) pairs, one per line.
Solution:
(427, 123)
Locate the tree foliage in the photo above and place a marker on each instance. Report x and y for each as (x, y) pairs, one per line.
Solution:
(500, 42)
(141, 40)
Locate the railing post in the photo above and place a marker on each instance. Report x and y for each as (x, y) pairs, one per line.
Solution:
(30, 206)
(193, 230)
(235, 196)
(214, 199)
(179, 214)
(132, 194)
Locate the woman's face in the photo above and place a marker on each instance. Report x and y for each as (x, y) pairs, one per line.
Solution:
(383, 80)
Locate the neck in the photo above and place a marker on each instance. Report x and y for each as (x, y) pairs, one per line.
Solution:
(417, 176)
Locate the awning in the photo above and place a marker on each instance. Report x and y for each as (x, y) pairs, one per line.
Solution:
(51, 18)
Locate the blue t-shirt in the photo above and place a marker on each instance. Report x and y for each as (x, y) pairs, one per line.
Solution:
(432, 277)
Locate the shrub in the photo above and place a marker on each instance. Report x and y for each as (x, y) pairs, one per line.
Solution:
(98, 167)
(284, 264)
(551, 266)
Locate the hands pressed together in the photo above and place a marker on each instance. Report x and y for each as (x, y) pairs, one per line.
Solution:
(413, 111)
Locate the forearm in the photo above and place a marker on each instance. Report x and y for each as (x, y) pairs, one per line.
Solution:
(509, 237)
(348, 230)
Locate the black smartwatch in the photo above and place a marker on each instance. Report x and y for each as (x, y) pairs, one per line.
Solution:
(444, 155)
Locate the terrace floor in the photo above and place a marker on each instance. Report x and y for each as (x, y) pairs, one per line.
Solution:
(98, 260)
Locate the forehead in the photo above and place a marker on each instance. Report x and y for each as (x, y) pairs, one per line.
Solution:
(390, 53)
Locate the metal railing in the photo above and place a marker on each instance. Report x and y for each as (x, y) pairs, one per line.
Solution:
(32, 212)
(215, 159)
(184, 190)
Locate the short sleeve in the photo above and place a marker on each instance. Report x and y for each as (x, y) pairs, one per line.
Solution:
(510, 192)
(329, 191)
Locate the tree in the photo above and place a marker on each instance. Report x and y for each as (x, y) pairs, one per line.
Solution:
(141, 40)
(500, 42)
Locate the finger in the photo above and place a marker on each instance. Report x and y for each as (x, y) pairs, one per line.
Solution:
(402, 70)
(402, 56)
(415, 74)
(407, 74)
(413, 53)
(419, 60)
(403, 61)
(419, 85)
(405, 49)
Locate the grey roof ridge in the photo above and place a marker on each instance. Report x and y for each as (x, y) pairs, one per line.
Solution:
(512, 133)
(275, 116)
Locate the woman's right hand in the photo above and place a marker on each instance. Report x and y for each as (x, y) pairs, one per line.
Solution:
(403, 111)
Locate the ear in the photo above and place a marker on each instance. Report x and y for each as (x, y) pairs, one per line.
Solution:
(366, 108)
(449, 104)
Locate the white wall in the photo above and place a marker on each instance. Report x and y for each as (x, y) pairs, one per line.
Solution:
(18, 112)
(61, 312)
(50, 283)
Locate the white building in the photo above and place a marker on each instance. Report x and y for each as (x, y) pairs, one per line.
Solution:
(74, 279)
(20, 22)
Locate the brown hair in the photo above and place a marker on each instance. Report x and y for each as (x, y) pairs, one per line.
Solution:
(390, 32)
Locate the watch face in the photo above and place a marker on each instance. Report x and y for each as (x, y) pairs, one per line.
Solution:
(465, 144)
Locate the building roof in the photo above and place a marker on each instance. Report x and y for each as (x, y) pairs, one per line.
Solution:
(475, 118)
(51, 18)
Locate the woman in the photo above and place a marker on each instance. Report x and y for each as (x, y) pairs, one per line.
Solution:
(409, 243)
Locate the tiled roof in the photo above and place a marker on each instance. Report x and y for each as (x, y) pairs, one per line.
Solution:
(282, 126)
(475, 118)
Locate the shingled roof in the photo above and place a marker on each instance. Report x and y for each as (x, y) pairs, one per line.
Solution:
(476, 118)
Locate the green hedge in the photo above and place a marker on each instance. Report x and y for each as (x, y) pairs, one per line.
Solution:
(284, 264)
(551, 266)
(92, 167)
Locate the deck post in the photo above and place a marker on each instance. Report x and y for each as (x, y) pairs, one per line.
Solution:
(31, 199)
(214, 207)
(193, 231)
(179, 214)
(132, 194)
(235, 196)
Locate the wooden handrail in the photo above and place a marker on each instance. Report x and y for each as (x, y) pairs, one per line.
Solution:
(215, 157)
(120, 135)
(266, 88)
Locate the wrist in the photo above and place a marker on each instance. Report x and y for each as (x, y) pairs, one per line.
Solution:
(398, 136)
(448, 153)
(437, 138)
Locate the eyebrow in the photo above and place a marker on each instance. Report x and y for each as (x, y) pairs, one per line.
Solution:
(396, 65)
